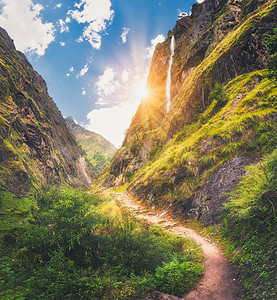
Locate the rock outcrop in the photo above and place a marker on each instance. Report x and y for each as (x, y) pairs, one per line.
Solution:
(36, 147)
(221, 98)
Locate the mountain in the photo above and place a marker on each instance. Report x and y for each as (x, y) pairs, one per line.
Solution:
(222, 115)
(208, 152)
(36, 147)
(99, 151)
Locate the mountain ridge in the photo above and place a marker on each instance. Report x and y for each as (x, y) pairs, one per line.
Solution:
(99, 150)
(169, 157)
(37, 149)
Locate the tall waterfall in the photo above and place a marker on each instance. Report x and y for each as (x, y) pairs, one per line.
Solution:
(168, 83)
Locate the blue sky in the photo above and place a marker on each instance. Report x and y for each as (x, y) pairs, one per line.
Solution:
(93, 54)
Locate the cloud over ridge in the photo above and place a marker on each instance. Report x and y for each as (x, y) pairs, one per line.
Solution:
(25, 25)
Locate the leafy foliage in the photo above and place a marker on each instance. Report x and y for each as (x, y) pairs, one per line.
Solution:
(128, 175)
(218, 95)
(175, 277)
(79, 246)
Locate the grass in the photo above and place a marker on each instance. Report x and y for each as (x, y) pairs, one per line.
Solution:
(202, 147)
(249, 228)
(77, 245)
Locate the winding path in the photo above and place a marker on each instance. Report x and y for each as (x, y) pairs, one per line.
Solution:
(219, 282)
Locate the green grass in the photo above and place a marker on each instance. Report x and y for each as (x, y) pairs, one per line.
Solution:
(249, 229)
(80, 246)
(244, 124)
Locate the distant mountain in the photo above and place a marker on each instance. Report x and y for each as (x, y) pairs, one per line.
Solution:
(99, 151)
(36, 148)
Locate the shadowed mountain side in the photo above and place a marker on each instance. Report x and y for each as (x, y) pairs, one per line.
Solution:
(36, 147)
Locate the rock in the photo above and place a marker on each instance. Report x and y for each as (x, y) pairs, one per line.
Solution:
(37, 149)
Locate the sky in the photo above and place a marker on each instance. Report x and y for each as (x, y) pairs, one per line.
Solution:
(93, 54)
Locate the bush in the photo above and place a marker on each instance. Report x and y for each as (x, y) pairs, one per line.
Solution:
(75, 250)
(177, 277)
(219, 97)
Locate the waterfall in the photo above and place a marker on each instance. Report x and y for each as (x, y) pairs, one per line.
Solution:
(168, 82)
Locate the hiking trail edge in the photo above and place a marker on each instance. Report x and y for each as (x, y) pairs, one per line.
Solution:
(219, 282)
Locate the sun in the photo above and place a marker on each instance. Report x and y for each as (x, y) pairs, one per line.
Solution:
(140, 90)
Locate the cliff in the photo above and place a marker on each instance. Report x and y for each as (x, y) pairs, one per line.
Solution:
(99, 151)
(222, 115)
(36, 147)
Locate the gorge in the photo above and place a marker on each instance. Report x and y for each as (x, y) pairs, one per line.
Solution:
(199, 156)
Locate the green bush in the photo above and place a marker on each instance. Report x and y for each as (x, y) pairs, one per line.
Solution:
(128, 175)
(73, 249)
(177, 277)
(219, 97)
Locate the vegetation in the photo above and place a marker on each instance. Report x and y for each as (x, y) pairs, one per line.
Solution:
(240, 119)
(271, 42)
(250, 227)
(79, 246)
(98, 150)
(219, 96)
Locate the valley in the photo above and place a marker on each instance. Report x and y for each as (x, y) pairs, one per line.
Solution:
(185, 209)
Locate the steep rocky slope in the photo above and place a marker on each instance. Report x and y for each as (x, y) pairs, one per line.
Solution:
(222, 115)
(99, 151)
(36, 147)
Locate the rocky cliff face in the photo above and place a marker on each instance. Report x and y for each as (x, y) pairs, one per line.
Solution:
(36, 147)
(223, 105)
(99, 151)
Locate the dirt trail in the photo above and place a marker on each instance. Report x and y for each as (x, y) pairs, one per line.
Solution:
(219, 282)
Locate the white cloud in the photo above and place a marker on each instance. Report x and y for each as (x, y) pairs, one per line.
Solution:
(182, 15)
(124, 35)
(67, 75)
(92, 37)
(24, 24)
(67, 20)
(98, 14)
(84, 92)
(125, 76)
(83, 71)
(200, 1)
(71, 69)
(62, 44)
(63, 26)
(119, 118)
(150, 50)
(106, 84)
(80, 4)
(58, 6)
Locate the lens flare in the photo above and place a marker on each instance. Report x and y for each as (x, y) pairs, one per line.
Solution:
(140, 90)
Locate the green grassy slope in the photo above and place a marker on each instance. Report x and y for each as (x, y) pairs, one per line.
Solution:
(98, 150)
(222, 119)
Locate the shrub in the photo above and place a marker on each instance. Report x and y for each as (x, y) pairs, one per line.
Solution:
(74, 249)
(176, 277)
(219, 96)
